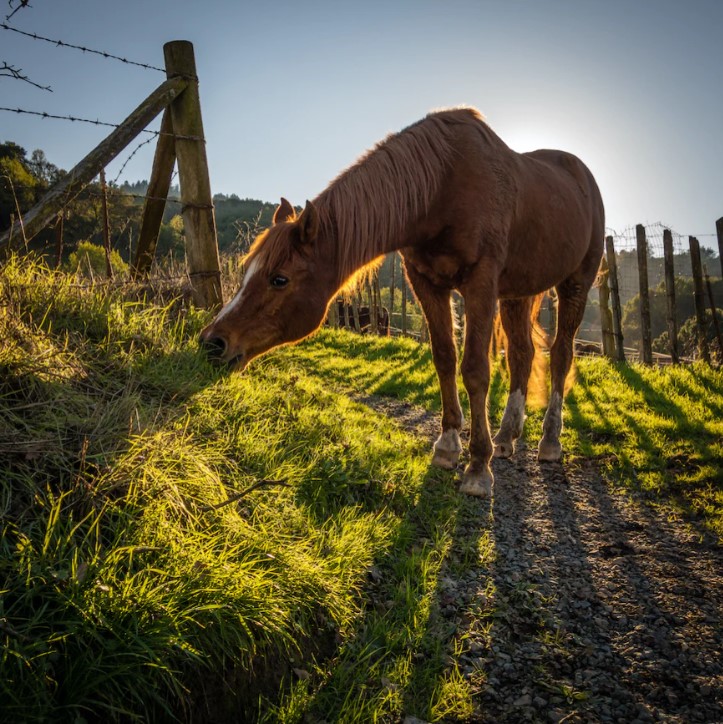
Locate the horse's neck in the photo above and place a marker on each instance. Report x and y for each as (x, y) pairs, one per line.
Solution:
(351, 248)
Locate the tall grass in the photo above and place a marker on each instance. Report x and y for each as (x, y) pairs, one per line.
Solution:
(128, 590)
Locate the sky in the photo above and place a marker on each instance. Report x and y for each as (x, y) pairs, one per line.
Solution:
(293, 92)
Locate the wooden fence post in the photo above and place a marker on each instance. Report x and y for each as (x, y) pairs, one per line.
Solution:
(391, 291)
(355, 304)
(699, 297)
(156, 196)
(719, 233)
(333, 314)
(606, 317)
(615, 298)
(404, 306)
(199, 224)
(714, 312)
(59, 224)
(377, 306)
(647, 342)
(106, 224)
(670, 295)
(551, 313)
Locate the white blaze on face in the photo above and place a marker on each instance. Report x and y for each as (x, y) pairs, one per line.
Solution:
(236, 301)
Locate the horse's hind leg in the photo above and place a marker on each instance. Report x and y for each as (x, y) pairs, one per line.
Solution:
(436, 304)
(515, 315)
(572, 297)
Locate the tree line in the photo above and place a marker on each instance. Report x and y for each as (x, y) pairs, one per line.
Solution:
(24, 179)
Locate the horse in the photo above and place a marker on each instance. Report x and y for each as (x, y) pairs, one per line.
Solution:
(346, 311)
(466, 213)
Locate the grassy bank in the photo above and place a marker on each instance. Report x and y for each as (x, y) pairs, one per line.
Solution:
(129, 589)
(139, 581)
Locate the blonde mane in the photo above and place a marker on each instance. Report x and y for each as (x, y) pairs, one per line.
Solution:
(379, 196)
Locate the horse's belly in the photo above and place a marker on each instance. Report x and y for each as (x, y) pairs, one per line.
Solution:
(533, 272)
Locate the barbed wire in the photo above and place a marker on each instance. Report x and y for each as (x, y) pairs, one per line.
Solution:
(96, 122)
(63, 44)
(10, 71)
(128, 160)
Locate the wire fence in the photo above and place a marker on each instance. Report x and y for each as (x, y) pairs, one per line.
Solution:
(625, 241)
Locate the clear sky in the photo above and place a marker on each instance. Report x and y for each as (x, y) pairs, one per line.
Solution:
(293, 92)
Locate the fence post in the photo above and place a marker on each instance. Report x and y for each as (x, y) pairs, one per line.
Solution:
(59, 224)
(404, 307)
(333, 315)
(391, 291)
(699, 298)
(377, 303)
(155, 204)
(714, 312)
(615, 298)
(670, 295)
(647, 342)
(719, 233)
(355, 311)
(551, 313)
(106, 224)
(199, 224)
(606, 318)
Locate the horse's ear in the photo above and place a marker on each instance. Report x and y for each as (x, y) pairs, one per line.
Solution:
(309, 223)
(284, 212)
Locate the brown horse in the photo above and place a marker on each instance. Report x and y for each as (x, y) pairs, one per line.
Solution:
(467, 213)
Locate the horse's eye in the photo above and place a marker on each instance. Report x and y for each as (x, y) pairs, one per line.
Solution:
(278, 281)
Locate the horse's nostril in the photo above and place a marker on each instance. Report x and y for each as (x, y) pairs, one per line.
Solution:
(215, 347)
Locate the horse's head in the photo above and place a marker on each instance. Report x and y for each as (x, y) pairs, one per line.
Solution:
(284, 293)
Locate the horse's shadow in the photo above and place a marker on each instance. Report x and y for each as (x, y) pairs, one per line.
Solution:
(563, 616)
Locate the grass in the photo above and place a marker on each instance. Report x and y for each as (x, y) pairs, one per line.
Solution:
(656, 430)
(129, 590)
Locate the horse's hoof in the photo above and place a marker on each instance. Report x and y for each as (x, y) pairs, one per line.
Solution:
(445, 459)
(478, 485)
(447, 450)
(549, 451)
(504, 449)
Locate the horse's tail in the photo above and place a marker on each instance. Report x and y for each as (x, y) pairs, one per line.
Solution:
(537, 391)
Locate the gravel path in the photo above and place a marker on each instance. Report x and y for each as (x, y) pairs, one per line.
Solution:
(595, 606)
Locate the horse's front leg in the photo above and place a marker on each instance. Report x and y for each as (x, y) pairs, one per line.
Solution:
(436, 305)
(480, 298)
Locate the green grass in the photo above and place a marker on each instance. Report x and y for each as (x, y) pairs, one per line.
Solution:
(129, 592)
(656, 430)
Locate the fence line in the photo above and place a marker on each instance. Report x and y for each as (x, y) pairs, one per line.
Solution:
(63, 44)
(647, 269)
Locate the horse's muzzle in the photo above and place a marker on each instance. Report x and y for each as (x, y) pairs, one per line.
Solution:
(214, 347)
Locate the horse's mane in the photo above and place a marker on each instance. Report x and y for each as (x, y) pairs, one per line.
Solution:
(381, 194)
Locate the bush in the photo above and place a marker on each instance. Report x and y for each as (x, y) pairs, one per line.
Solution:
(89, 259)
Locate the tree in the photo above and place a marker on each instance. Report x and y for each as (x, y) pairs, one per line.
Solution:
(18, 186)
